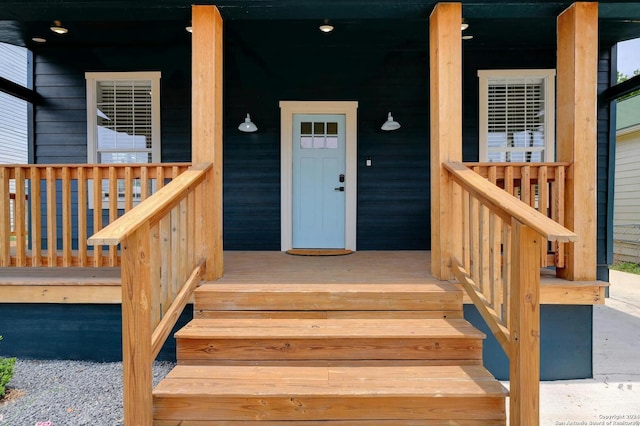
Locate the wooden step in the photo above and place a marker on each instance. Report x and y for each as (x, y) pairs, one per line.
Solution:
(485, 422)
(268, 395)
(330, 300)
(282, 354)
(253, 341)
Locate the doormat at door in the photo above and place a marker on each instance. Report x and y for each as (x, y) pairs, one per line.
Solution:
(319, 252)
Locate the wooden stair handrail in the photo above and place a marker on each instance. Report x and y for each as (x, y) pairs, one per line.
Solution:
(153, 208)
(505, 205)
(161, 267)
(499, 267)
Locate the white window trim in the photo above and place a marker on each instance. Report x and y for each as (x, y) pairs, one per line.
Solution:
(549, 75)
(92, 151)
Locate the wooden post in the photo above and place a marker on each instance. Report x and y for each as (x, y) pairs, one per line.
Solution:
(36, 217)
(445, 53)
(82, 216)
(19, 218)
(137, 358)
(207, 133)
(97, 213)
(52, 234)
(577, 133)
(524, 326)
(66, 217)
(5, 221)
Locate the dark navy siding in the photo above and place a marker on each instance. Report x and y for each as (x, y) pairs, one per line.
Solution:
(606, 165)
(393, 194)
(66, 331)
(565, 343)
(93, 332)
(61, 121)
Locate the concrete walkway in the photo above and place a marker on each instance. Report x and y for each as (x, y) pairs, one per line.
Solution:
(612, 397)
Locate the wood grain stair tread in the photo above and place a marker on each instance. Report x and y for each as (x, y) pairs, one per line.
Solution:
(324, 395)
(436, 381)
(328, 297)
(394, 422)
(323, 328)
(386, 341)
(377, 288)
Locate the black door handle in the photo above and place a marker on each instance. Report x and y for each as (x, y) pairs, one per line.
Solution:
(340, 188)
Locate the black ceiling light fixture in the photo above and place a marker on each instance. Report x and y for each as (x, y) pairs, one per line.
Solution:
(326, 27)
(463, 26)
(58, 28)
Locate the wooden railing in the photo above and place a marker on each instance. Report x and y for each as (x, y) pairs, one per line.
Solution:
(45, 220)
(499, 268)
(161, 267)
(539, 185)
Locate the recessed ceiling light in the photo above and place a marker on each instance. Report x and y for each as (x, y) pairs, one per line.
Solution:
(58, 28)
(464, 26)
(326, 27)
(467, 37)
(189, 28)
(39, 39)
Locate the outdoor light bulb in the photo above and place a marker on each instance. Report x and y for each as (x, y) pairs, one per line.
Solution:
(58, 28)
(326, 28)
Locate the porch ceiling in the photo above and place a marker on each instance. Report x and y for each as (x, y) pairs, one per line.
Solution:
(498, 23)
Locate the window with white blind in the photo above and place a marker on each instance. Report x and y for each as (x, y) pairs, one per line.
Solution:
(517, 115)
(123, 121)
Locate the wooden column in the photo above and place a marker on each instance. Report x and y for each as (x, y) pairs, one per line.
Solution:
(207, 133)
(445, 57)
(524, 326)
(577, 133)
(136, 329)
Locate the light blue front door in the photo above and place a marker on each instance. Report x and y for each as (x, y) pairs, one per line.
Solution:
(318, 181)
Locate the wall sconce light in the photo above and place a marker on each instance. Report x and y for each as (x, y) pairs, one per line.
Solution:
(390, 124)
(247, 125)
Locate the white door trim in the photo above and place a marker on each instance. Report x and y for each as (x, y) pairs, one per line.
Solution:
(287, 110)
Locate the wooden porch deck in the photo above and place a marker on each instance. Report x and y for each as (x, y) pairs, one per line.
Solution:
(361, 267)
(102, 285)
(379, 267)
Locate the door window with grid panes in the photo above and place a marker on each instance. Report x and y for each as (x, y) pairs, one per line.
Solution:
(517, 115)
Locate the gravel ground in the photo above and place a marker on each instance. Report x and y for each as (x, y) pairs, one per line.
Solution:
(74, 393)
